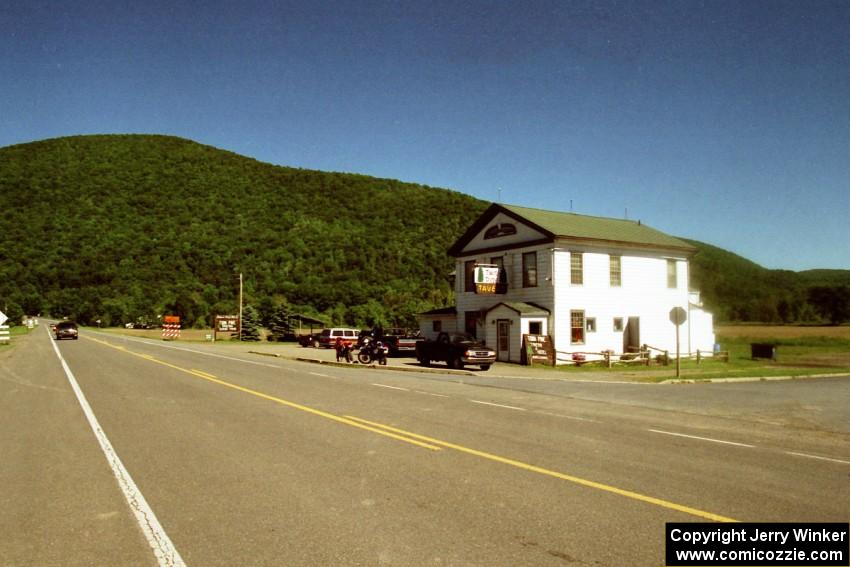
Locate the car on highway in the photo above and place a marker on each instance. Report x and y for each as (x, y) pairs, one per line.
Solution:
(66, 330)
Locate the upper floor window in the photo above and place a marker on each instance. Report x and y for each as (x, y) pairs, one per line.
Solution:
(576, 268)
(615, 271)
(672, 274)
(502, 283)
(469, 275)
(529, 269)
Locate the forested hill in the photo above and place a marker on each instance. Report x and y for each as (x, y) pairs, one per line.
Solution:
(123, 227)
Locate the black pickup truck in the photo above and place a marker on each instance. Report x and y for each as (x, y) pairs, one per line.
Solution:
(456, 350)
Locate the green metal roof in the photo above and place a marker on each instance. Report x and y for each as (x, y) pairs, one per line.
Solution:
(571, 225)
(526, 309)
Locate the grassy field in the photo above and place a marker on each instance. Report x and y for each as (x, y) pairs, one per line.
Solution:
(801, 351)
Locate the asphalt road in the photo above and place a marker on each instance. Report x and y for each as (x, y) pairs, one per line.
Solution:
(218, 457)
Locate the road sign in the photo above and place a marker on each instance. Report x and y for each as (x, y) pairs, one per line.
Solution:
(170, 327)
(678, 315)
(4, 329)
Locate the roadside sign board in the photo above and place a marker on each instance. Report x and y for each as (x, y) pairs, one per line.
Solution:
(4, 329)
(170, 327)
(486, 278)
(226, 324)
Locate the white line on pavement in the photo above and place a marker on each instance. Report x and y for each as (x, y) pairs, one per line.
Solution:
(430, 394)
(392, 387)
(569, 416)
(818, 457)
(317, 374)
(702, 438)
(164, 550)
(497, 405)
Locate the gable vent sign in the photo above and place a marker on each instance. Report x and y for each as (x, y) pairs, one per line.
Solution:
(486, 278)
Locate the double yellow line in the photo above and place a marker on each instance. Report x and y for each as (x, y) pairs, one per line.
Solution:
(320, 413)
(433, 444)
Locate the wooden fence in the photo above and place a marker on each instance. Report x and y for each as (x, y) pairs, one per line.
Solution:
(539, 349)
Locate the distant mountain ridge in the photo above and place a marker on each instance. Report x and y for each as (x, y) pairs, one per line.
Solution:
(121, 227)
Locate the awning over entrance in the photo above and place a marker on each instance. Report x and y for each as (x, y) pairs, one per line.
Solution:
(523, 309)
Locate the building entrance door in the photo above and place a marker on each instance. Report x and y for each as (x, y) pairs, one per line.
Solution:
(631, 335)
(503, 340)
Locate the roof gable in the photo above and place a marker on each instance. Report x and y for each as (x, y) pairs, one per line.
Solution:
(551, 225)
(498, 228)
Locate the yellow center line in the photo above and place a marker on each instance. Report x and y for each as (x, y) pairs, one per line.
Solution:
(320, 413)
(435, 444)
(540, 470)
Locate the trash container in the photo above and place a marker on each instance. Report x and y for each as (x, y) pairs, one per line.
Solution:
(763, 350)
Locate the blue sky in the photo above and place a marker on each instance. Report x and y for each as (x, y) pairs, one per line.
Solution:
(726, 122)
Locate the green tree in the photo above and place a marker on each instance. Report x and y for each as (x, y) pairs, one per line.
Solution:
(250, 324)
(281, 323)
(831, 302)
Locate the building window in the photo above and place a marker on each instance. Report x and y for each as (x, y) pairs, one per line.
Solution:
(497, 230)
(577, 327)
(502, 283)
(469, 275)
(615, 271)
(590, 324)
(437, 326)
(618, 324)
(535, 327)
(672, 275)
(529, 269)
(576, 268)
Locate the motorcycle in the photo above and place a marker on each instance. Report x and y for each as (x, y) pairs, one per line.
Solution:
(373, 351)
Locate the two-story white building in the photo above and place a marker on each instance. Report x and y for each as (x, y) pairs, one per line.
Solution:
(592, 284)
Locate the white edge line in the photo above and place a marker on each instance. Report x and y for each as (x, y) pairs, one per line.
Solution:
(702, 438)
(831, 460)
(569, 417)
(392, 387)
(497, 405)
(317, 374)
(163, 548)
(430, 394)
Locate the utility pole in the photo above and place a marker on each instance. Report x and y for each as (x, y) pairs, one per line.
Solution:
(240, 306)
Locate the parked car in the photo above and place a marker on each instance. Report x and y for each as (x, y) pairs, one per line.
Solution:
(401, 341)
(329, 336)
(66, 330)
(311, 340)
(456, 350)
